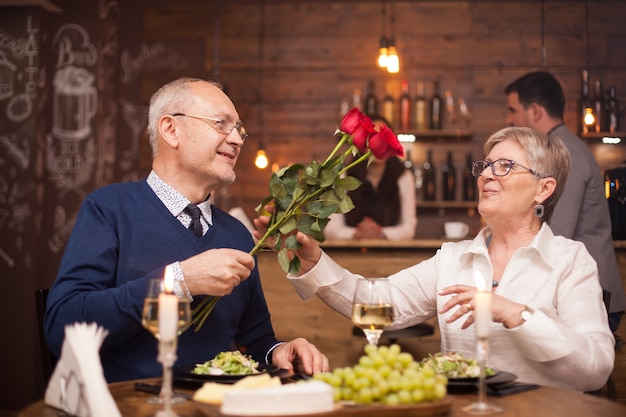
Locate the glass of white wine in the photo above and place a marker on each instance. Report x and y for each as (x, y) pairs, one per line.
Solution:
(150, 320)
(372, 307)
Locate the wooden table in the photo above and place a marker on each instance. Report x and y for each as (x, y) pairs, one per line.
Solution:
(542, 402)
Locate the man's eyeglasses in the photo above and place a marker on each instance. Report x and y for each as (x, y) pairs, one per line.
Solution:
(499, 167)
(221, 125)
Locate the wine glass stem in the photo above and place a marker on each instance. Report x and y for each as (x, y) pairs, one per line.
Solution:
(373, 336)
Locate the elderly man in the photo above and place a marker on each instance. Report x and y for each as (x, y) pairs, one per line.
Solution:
(126, 234)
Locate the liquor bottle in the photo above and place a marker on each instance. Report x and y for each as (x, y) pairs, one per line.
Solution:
(371, 102)
(599, 108)
(435, 108)
(421, 109)
(389, 107)
(450, 111)
(613, 110)
(428, 178)
(449, 179)
(469, 182)
(587, 119)
(356, 99)
(405, 107)
(408, 162)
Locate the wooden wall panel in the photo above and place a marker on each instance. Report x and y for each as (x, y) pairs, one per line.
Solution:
(288, 88)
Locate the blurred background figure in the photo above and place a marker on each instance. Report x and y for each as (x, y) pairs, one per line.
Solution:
(384, 205)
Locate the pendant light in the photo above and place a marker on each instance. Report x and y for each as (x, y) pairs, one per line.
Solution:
(261, 161)
(588, 114)
(393, 61)
(383, 49)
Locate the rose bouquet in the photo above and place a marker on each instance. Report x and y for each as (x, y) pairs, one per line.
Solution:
(304, 196)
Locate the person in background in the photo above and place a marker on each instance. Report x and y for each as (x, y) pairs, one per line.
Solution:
(536, 100)
(127, 233)
(384, 205)
(549, 324)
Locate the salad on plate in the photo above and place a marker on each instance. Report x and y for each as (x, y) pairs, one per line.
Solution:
(455, 365)
(228, 363)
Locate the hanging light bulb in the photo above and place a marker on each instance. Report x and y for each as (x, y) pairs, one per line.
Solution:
(261, 160)
(393, 61)
(383, 52)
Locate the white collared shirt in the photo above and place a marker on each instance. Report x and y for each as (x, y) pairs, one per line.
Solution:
(566, 343)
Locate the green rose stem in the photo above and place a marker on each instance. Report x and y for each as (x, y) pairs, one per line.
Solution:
(202, 311)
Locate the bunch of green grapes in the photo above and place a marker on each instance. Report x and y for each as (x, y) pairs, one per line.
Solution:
(385, 375)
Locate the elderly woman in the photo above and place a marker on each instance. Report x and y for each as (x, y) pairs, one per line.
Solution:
(549, 321)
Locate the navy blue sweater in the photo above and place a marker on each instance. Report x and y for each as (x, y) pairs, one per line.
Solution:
(124, 236)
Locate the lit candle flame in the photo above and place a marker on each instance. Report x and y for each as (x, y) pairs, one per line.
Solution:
(168, 280)
(480, 281)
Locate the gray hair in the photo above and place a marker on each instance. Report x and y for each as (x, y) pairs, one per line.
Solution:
(174, 96)
(545, 154)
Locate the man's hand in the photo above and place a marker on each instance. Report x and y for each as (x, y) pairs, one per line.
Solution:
(216, 271)
(301, 356)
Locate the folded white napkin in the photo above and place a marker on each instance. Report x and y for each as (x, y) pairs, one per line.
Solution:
(77, 385)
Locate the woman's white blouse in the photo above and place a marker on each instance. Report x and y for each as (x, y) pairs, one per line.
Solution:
(566, 343)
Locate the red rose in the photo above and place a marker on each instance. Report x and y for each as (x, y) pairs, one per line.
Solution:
(358, 125)
(351, 121)
(385, 144)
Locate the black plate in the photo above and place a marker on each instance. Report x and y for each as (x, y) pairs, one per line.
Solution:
(497, 379)
(184, 377)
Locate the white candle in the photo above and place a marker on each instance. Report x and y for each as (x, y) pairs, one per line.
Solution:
(482, 307)
(168, 308)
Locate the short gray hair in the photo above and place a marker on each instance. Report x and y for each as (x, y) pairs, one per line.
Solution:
(546, 155)
(174, 96)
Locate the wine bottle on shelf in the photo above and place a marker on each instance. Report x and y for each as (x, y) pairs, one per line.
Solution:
(469, 182)
(435, 108)
(356, 99)
(450, 111)
(421, 108)
(405, 107)
(599, 108)
(408, 162)
(587, 119)
(613, 110)
(389, 107)
(344, 108)
(371, 102)
(428, 178)
(449, 179)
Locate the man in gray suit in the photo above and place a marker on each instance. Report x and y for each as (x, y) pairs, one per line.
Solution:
(536, 100)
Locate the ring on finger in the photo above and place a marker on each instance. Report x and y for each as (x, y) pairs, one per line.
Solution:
(468, 307)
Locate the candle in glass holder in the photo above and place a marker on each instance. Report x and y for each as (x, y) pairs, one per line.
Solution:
(482, 307)
(168, 308)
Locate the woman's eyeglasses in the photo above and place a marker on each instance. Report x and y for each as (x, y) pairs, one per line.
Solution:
(499, 167)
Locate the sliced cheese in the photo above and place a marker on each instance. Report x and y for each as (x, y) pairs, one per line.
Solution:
(257, 381)
(213, 392)
(298, 398)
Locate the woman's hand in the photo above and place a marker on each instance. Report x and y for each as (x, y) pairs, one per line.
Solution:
(309, 251)
(503, 310)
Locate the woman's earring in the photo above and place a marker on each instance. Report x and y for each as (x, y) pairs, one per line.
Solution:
(539, 209)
